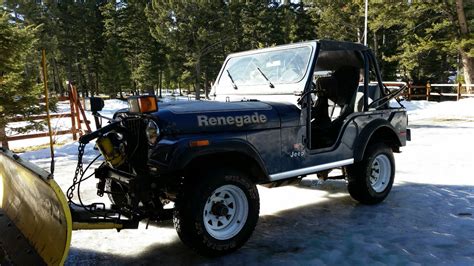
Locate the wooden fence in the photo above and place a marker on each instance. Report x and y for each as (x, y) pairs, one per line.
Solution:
(76, 111)
(438, 92)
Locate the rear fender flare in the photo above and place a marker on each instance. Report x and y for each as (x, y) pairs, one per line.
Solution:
(368, 133)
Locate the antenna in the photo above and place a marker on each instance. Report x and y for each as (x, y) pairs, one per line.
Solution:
(365, 21)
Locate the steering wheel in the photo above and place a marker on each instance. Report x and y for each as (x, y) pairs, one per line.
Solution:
(293, 69)
(295, 65)
(243, 72)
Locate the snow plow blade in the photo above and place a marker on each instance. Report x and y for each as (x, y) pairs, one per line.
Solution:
(33, 201)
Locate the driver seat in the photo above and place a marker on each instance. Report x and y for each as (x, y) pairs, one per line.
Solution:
(348, 83)
(341, 88)
(320, 112)
(324, 87)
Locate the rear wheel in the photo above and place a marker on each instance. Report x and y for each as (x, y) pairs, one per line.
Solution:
(217, 214)
(371, 180)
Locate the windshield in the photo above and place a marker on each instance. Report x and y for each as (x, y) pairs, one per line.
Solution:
(267, 70)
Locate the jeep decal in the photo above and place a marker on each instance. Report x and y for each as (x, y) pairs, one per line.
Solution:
(239, 121)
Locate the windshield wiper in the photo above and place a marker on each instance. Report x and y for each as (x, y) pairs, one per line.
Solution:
(231, 80)
(269, 82)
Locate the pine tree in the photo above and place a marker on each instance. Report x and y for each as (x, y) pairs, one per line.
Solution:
(143, 53)
(194, 29)
(19, 92)
(115, 75)
(115, 72)
(302, 27)
(339, 20)
(427, 37)
(465, 21)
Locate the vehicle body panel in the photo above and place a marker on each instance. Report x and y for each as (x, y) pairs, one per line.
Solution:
(281, 143)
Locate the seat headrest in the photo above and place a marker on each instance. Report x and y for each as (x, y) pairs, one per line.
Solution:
(348, 82)
(328, 86)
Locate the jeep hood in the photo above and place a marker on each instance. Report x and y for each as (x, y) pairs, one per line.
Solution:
(211, 116)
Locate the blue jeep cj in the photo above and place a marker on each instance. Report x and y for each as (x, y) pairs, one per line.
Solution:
(277, 115)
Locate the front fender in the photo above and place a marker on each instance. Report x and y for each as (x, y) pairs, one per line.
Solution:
(184, 154)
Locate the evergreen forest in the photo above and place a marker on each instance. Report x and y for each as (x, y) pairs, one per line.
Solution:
(122, 47)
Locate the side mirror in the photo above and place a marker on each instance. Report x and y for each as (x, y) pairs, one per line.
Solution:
(93, 104)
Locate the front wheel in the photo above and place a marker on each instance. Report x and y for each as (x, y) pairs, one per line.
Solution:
(217, 214)
(371, 180)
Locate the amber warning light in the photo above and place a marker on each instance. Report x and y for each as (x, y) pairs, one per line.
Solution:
(142, 104)
(199, 143)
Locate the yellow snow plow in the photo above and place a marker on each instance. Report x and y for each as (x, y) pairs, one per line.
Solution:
(39, 210)
(36, 205)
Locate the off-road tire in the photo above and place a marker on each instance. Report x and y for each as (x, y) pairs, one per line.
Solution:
(190, 207)
(360, 187)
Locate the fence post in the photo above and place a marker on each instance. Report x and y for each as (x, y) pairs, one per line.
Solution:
(428, 90)
(75, 96)
(81, 110)
(441, 94)
(409, 90)
(73, 114)
(459, 91)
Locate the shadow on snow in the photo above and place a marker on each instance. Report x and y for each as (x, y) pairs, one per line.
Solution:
(419, 223)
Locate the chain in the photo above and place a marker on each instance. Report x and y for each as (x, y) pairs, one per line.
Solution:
(79, 172)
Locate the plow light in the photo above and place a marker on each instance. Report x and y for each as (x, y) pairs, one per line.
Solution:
(142, 104)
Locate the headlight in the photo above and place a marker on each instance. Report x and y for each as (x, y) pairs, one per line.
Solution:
(152, 132)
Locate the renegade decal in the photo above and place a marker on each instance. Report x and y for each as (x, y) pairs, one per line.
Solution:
(256, 118)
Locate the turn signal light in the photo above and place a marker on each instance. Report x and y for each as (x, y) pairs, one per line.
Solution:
(143, 104)
(199, 143)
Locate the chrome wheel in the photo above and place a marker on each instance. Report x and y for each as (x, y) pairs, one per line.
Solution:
(381, 171)
(371, 180)
(225, 212)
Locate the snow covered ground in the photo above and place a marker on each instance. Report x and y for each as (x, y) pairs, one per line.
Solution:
(427, 219)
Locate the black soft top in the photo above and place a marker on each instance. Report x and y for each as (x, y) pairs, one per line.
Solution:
(328, 45)
(335, 54)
